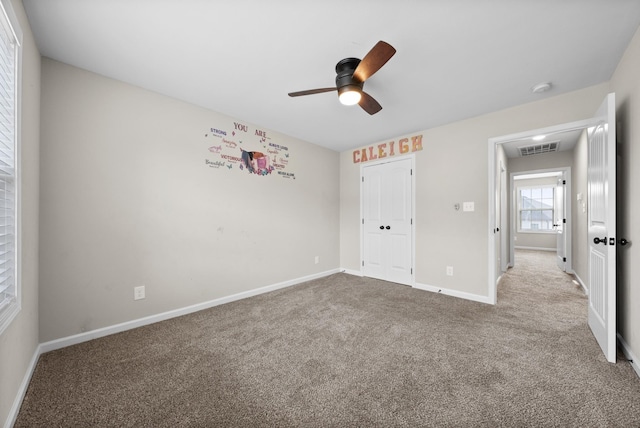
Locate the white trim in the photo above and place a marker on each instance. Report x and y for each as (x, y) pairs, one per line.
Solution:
(518, 247)
(631, 357)
(453, 293)
(581, 282)
(128, 325)
(13, 20)
(22, 390)
(352, 272)
(10, 312)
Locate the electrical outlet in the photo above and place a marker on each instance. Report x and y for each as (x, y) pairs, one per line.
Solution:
(317, 259)
(449, 270)
(468, 206)
(138, 292)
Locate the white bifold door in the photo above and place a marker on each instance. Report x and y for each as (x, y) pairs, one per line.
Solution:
(601, 219)
(387, 221)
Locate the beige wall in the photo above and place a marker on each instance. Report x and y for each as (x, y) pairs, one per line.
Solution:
(128, 200)
(626, 84)
(452, 169)
(18, 343)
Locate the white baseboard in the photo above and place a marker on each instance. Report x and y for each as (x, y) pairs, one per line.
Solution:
(22, 390)
(626, 350)
(454, 293)
(535, 248)
(581, 282)
(128, 325)
(351, 272)
(425, 287)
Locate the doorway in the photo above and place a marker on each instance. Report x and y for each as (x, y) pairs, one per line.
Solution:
(497, 146)
(540, 214)
(600, 212)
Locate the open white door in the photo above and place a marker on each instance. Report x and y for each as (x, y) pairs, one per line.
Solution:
(601, 184)
(560, 222)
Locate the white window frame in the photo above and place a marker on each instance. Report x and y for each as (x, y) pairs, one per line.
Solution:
(520, 209)
(10, 306)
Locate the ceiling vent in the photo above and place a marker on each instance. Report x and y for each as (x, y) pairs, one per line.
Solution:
(537, 149)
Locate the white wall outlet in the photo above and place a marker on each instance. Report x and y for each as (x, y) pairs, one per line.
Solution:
(468, 206)
(449, 270)
(138, 292)
(317, 259)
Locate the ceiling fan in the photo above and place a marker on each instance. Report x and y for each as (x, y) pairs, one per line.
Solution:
(351, 75)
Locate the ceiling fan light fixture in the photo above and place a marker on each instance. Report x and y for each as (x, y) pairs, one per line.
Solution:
(349, 95)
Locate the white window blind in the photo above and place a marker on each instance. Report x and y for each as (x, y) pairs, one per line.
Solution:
(8, 126)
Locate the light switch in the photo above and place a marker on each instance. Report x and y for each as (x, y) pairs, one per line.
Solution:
(468, 206)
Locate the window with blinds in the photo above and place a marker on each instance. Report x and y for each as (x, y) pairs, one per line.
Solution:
(9, 302)
(536, 209)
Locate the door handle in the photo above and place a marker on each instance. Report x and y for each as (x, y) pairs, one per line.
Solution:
(381, 227)
(624, 242)
(597, 240)
(388, 227)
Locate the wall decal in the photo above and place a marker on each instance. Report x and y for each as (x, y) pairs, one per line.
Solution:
(242, 148)
(389, 149)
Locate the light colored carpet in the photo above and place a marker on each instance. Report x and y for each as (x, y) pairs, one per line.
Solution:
(346, 351)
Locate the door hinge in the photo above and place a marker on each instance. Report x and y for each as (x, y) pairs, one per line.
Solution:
(362, 221)
(363, 178)
(564, 220)
(564, 259)
(564, 182)
(363, 263)
(411, 171)
(411, 271)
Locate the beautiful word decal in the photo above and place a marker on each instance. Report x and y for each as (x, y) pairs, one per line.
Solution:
(247, 150)
(383, 150)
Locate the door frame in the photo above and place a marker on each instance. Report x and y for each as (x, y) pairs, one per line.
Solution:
(567, 212)
(493, 145)
(412, 157)
(504, 219)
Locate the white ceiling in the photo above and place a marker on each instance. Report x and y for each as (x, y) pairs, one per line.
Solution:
(566, 140)
(455, 59)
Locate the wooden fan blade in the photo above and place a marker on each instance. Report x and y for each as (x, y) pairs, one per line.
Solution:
(369, 104)
(374, 60)
(311, 92)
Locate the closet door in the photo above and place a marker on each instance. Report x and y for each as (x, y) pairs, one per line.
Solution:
(387, 223)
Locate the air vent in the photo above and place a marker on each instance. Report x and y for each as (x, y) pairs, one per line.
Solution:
(539, 148)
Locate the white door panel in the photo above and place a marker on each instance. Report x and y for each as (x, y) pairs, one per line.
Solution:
(601, 189)
(387, 203)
